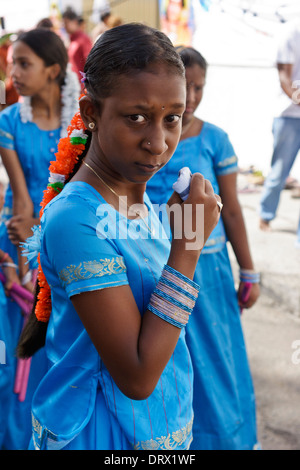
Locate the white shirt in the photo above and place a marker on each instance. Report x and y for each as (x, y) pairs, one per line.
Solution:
(289, 53)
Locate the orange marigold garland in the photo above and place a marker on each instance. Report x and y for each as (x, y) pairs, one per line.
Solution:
(69, 149)
(43, 304)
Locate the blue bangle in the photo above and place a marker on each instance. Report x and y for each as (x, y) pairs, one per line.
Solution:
(182, 277)
(165, 317)
(174, 297)
(249, 276)
(172, 300)
(174, 286)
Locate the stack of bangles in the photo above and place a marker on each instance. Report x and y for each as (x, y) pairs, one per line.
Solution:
(174, 297)
(249, 275)
(4, 263)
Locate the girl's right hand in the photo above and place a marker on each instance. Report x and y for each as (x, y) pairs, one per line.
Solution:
(192, 221)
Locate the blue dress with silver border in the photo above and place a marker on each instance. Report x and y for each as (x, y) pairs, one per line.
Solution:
(77, 404)
(224, 401)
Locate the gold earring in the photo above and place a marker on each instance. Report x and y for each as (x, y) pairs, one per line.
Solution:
(91, 125)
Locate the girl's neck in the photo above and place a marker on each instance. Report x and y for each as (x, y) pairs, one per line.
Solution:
(46, 107)
(112, 186)
(192, 128)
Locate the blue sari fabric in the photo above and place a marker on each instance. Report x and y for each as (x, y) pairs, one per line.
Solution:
(35, 149)
(224, 402)
(77, 404)
(6, 370)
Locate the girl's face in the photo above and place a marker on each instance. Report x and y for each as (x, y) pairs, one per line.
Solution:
(195, 81)
(140, 124)
(29, 73)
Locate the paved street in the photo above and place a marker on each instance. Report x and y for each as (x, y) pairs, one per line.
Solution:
(273, 324)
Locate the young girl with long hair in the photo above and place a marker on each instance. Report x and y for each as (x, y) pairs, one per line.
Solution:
(114, 303)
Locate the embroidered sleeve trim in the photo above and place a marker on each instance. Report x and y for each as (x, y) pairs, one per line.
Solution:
(6, 134)
(227, 162)
(92, 269)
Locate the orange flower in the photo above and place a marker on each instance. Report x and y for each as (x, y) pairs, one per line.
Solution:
(66, 158)
(43, 305)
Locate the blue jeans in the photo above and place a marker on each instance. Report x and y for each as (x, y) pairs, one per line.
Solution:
(286, 132)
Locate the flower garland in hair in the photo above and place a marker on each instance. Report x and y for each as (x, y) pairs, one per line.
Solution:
(69, 149)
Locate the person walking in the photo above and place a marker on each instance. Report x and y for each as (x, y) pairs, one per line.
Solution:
(286, 124)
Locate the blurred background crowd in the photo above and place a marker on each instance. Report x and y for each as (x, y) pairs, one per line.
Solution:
(238, 38)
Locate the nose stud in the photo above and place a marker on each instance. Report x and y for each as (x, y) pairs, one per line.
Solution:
(148, 143)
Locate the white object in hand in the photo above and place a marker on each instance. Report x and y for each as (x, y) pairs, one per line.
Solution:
(182, 185)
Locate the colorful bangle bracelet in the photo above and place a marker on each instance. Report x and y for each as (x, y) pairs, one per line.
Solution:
(10, 265)
(247, 275)
(174, 297)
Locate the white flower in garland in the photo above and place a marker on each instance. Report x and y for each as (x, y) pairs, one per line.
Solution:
(70, 92)
(32, 246)
(70, 95)
(26, 109)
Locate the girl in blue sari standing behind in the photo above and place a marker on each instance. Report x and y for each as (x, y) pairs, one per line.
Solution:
(29, 134)
(113, 296)
(223, 393)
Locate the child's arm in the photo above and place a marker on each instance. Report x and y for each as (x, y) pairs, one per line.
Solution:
(236, 230)
(9, 270)
(22, 203)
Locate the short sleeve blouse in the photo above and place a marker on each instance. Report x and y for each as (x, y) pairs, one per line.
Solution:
(35, 149)
(80, 252)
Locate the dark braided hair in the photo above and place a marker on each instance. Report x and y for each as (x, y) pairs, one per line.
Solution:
(191, 56)
(124, 50)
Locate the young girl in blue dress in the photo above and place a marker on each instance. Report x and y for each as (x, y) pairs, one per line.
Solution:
(113, 295)
(224, 403)
(29, 134)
